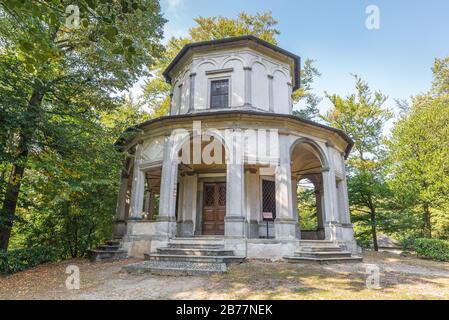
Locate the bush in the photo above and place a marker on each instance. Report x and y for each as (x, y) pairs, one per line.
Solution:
(20, 259)
(408, 243)
(436, 249)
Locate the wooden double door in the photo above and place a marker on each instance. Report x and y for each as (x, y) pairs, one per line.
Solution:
(214, 208)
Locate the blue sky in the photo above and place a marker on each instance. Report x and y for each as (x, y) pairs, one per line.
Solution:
(395, 59)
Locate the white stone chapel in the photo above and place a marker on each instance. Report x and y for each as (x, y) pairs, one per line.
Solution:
(221, 171)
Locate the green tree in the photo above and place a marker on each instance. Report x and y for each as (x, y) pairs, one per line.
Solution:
(55, 72)
(157, 91)
(419, 156)
(362, 116)
(305, 96)
(69, 199)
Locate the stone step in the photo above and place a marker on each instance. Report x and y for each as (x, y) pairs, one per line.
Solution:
(195, 246)
(114, 242)
(107, 247)
(175, 268)
(192, 258)
(197, 241)
(323, 254)
(316, 242)
(194, 251)
(296, 259)
(332, 248)
(103, 255)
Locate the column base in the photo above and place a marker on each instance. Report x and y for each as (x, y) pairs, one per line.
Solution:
(285, 228)
(235, 227)
(185, 228)
(253, 229)
(141, 238)
(119, 230)
(166, 226)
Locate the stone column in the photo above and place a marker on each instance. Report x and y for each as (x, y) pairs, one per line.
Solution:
(120, 223)
(319, 209)
(248, 85)
(284, 224)
(167, 201)
(295, 214)
(330, 197)
(188, 204)
(270, 93)
(346, 231)
(149, 204)
(137, 187)
(252, 202)
(235, 218)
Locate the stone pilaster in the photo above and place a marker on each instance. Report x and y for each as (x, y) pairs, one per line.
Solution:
(284, 224)
(248, 85)
(192, 92)
(270, 93)
(167, 201)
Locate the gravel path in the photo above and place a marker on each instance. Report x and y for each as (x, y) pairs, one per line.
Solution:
(400, 278)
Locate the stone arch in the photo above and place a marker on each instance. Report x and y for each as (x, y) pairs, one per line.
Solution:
(237, 79)
(279, 69)
(280, 91)
(260, 85)
(308, 161)
(189, 135)
(203, 62)
(259, 61)
(237, 58)
(321, 154)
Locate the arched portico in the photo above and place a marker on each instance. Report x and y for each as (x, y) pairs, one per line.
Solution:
(208, 185)
(308, 162)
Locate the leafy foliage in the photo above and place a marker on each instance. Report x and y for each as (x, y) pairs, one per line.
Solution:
(419, 161)
(432, 248)
(20, 259)
(362, 116)
(56, 81)
(307, 210)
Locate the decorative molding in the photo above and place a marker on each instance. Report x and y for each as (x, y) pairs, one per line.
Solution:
(227, 70)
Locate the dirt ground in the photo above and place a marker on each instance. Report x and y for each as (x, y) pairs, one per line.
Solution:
(399, 278)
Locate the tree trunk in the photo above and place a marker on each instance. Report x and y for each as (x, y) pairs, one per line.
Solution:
(8, 211)
(427, 228)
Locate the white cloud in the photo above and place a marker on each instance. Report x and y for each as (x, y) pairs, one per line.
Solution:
(174, 4)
